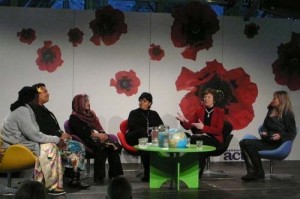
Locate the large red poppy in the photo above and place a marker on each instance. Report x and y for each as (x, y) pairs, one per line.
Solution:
(49, 57)
(126, 82)
(108, 26)
(75, 36)
(237, 92)
(26, 35)
(155, 52)
(193, 27)
(287, 67)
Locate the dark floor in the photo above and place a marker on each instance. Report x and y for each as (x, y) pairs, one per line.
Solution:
(229, 187)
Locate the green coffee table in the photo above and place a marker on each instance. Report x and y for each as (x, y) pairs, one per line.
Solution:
(180, 164)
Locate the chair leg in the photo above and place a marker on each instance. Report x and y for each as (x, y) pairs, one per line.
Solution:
(210, 173)
(271, 175)
(88, 166)
(9, 180)
(8, 190)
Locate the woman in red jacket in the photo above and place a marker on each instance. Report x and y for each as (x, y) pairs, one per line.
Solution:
(206, 124)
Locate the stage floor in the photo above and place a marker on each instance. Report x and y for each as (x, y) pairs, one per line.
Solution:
(229, 187)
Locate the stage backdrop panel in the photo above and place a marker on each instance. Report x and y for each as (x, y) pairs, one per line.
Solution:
(89, 68)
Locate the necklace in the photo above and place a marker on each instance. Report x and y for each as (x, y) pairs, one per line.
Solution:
(209, 112)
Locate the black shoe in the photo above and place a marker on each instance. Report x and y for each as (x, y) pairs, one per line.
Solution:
(99, 180)
(249, 177)
(261, 175)
(56, 192)
(145, 179)
(79, 185)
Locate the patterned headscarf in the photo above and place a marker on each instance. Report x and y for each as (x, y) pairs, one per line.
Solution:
(85, 115)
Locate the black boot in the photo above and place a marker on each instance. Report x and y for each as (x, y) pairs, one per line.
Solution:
(251, 173)
(256, 161)
(75, 182)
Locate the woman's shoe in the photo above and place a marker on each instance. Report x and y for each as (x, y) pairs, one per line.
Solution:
(56, 192)
(79, 185)
(249, 177)
(99, 180)
(145, 179)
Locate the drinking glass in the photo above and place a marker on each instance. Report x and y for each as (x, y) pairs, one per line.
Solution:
(143, 142)
(199, 143)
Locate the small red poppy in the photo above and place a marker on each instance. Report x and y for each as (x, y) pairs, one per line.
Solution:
(251, 30)
(75, 36)
(26, 35)
(155, 52)
(236, 92)
(287, 67)
(107, 26)
(126, 82)
(49, 57)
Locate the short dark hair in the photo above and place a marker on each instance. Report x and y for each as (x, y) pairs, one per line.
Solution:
(32, 190)
(146, 96)
(119, 188)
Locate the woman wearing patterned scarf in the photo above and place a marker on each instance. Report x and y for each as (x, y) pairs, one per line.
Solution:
(85, 124)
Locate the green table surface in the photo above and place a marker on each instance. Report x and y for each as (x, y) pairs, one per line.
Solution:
(191, 149)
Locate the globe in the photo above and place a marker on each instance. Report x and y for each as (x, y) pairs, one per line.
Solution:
(177, 139)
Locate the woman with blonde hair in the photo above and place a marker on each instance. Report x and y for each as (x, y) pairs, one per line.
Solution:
(279, 126)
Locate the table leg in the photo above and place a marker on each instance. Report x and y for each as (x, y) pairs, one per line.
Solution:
(181, 168)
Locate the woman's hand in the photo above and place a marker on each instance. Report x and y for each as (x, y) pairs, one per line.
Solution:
(276, 136)
(198, 125)
(102, 136)
(61, 144)
(181, 118)
(263, 133)
(65, 136)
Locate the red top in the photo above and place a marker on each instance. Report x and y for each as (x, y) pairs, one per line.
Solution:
(216, 124)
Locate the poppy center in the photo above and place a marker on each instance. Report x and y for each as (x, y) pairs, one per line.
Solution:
(48, 56)
(125, 83)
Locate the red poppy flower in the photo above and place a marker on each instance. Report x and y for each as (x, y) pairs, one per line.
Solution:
(49, 57)
(26, 35)
(236, 92)
(251, 30)
(75, 36)
(126, 82)
(287, 67)
(193, 27)
(155, 52)
(108, 26)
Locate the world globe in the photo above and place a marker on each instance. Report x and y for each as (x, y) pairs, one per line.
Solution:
(177, 139)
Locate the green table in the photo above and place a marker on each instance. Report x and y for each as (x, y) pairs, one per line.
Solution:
(181, 164)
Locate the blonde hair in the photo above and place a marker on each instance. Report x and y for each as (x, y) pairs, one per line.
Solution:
(285, 102)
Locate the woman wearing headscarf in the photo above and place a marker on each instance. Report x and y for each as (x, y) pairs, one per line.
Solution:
(85, 124)
(20, 127)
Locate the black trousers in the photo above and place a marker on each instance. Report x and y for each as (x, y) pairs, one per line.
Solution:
(207, 140)
(249, 151)
(132, 138)
(113, 157)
